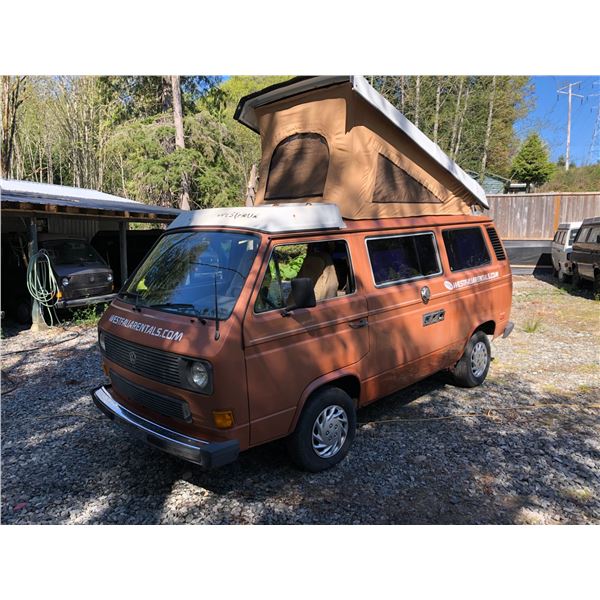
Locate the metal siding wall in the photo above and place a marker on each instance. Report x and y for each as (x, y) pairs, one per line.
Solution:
(535, 216)
(83, 228)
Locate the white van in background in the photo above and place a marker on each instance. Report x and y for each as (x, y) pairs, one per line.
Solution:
(562, 246)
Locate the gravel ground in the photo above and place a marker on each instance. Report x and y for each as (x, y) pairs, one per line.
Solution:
(523, 448)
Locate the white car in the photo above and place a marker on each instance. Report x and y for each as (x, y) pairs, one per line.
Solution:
(562, 246)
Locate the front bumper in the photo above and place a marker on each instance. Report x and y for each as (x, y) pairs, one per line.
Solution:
(207, 454)
(86, 301)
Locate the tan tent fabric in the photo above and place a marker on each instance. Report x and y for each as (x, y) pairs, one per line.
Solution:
(358, 137)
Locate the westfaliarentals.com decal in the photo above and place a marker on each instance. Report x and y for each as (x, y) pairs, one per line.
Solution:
(167, 334)
(449, 285)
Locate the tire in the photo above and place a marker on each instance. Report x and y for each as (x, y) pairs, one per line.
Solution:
(473, 366)
(576, 279)
(562, 276)
(596, 282)
(329, 408)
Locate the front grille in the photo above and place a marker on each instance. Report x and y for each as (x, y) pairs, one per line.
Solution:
(154, 364)
(496, 243)
(170, 407)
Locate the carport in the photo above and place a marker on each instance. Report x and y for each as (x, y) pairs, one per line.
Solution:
(27, 206)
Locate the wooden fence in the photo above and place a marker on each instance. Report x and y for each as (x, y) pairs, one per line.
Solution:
(536, 216)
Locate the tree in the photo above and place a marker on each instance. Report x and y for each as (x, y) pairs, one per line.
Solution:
(11, 100)
(531, 164)
(179, 138)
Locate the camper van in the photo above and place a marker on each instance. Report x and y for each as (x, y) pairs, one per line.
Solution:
(363, 267)
(562, 248)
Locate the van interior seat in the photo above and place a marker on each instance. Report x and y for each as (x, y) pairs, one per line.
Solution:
(319, 267)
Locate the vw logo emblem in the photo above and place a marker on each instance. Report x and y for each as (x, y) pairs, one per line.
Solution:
(132, 358)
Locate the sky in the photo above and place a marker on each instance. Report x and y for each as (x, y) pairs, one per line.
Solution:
(549, 116)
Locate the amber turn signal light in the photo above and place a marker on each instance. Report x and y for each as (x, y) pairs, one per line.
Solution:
(223, 418)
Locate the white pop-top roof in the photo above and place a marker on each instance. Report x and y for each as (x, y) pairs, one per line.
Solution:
(571, 225)
(270, 219)
(245, 114)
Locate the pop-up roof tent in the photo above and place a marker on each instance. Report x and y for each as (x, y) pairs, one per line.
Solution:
(335, 139)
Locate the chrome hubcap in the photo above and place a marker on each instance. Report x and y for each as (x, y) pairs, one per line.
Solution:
(479, 359)
(330, 431)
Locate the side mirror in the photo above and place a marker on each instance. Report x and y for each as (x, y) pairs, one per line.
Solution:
(303, 295)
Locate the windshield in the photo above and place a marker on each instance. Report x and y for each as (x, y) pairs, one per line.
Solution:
(193, 273)
(69, 252)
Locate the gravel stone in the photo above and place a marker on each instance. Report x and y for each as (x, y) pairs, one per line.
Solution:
(522, 448)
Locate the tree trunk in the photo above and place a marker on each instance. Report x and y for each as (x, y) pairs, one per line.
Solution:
(488, 130)
(436, 119)
(461, 122)
(252, 185)
(10, 105)
(417, 99)
(456, 116)
(184, 203)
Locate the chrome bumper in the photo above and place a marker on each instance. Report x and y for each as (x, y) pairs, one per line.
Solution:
(85, 301)
(208, 454)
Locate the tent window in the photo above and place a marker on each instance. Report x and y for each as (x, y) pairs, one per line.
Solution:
(298, 168)
(394, 184)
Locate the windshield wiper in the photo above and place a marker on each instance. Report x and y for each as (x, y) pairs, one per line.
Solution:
(180, 305)
(134, 295)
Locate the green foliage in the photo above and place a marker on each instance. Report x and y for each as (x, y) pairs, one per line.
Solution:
(88, 315)
(531, 164)
(532, 325)
(576, 179)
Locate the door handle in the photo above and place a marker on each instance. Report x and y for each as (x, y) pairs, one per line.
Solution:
(358, 324)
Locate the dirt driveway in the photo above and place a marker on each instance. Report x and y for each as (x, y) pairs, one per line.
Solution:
(523, 448)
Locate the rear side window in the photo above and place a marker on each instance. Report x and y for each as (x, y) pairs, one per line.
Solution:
(465, 248)
(593, 236)
(402, 258)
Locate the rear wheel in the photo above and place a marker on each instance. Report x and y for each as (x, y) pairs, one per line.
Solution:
(577, 282)
(562, 276)
(325, 431)
(472, 368)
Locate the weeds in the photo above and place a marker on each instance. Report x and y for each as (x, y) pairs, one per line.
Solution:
(89, 315)
(532, 325)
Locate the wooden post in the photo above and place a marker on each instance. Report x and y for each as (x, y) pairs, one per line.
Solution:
(123, 227)
(37, 318)
(557, 199)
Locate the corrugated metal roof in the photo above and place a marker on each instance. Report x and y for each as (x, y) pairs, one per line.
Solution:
(13, 190)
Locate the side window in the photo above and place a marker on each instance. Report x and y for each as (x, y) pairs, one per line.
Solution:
(594, 236)
(327, 264)
(556, 236)
(572, 236)
(465, 248)
(298, 168)
(402, 258)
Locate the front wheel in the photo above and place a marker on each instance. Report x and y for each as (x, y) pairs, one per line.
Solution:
(325, 431)
(577, 281)
(473, 366)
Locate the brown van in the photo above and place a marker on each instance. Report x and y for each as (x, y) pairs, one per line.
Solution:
(231, 335)
(364, 266)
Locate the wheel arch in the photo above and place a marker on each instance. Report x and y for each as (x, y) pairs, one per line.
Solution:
(489, 328)
(346, 380)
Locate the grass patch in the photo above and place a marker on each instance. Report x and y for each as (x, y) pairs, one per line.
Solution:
(532, 325)
(89, 315)
(585, 389)
(579, 494)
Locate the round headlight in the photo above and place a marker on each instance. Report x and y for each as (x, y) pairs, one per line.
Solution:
(65, 281)
(101, 341)
(199, 374)
(109, 277)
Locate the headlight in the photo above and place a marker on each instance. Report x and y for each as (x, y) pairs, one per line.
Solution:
(101, 341)
(109, 277)
(65, 281)
(199, 374)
